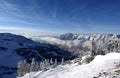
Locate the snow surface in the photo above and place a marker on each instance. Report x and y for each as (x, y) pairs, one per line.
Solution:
(100, 63)
(9, 43)
(8, 57)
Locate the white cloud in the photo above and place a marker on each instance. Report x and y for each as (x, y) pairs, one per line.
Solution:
(26, 31)
(67, 43)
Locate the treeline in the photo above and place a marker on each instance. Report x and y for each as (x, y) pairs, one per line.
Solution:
(24, 67)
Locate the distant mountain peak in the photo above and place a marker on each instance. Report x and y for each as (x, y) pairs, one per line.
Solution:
(70, 36)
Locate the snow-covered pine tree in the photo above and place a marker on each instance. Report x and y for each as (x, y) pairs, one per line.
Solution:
(79, 60)
(62, 61)
(116, 45)
(51, 61)
(33, 65)
(46, 63)
(36, 66)
(23, 68)
(41, 66)
(93, 48)
(55, 63)
(26, 67)
(20, 68)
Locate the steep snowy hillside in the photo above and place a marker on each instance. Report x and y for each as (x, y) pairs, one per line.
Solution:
(107, 66)
(8, 57)
(14, 48)
(8, 44)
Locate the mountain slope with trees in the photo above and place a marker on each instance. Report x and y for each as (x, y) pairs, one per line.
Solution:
(15, 48)
(103, 66)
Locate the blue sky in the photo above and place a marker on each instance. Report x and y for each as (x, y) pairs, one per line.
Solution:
(60, 16)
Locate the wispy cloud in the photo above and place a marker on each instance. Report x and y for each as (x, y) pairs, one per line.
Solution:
(55, 9)
(8, 6)
(10, 12)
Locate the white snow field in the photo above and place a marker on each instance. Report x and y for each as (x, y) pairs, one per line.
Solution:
(103, 66)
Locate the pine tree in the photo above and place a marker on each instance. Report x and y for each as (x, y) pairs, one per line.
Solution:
(92, 48)
(36, 67)
(20, 69)
(62, 61)
(42, 66)
(28, 67)
(25, 69)
(79, 60)
(32, 66)
(46, 64)
(51, 61)
(55, 63)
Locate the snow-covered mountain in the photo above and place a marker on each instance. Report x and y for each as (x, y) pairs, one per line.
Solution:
(82, 44)
(14, 48)
(70, 36)
(103, 66)
(8, 57)
(8, 44)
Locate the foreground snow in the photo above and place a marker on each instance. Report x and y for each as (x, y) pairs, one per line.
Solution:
(99, 64)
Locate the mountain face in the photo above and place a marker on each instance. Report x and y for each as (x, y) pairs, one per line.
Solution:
(14, 48)
(70, 36)
(67, 36)
(9, 43)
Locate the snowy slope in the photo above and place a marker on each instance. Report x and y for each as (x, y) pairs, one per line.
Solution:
(8, 43)
(100, 67)
(8, 57)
